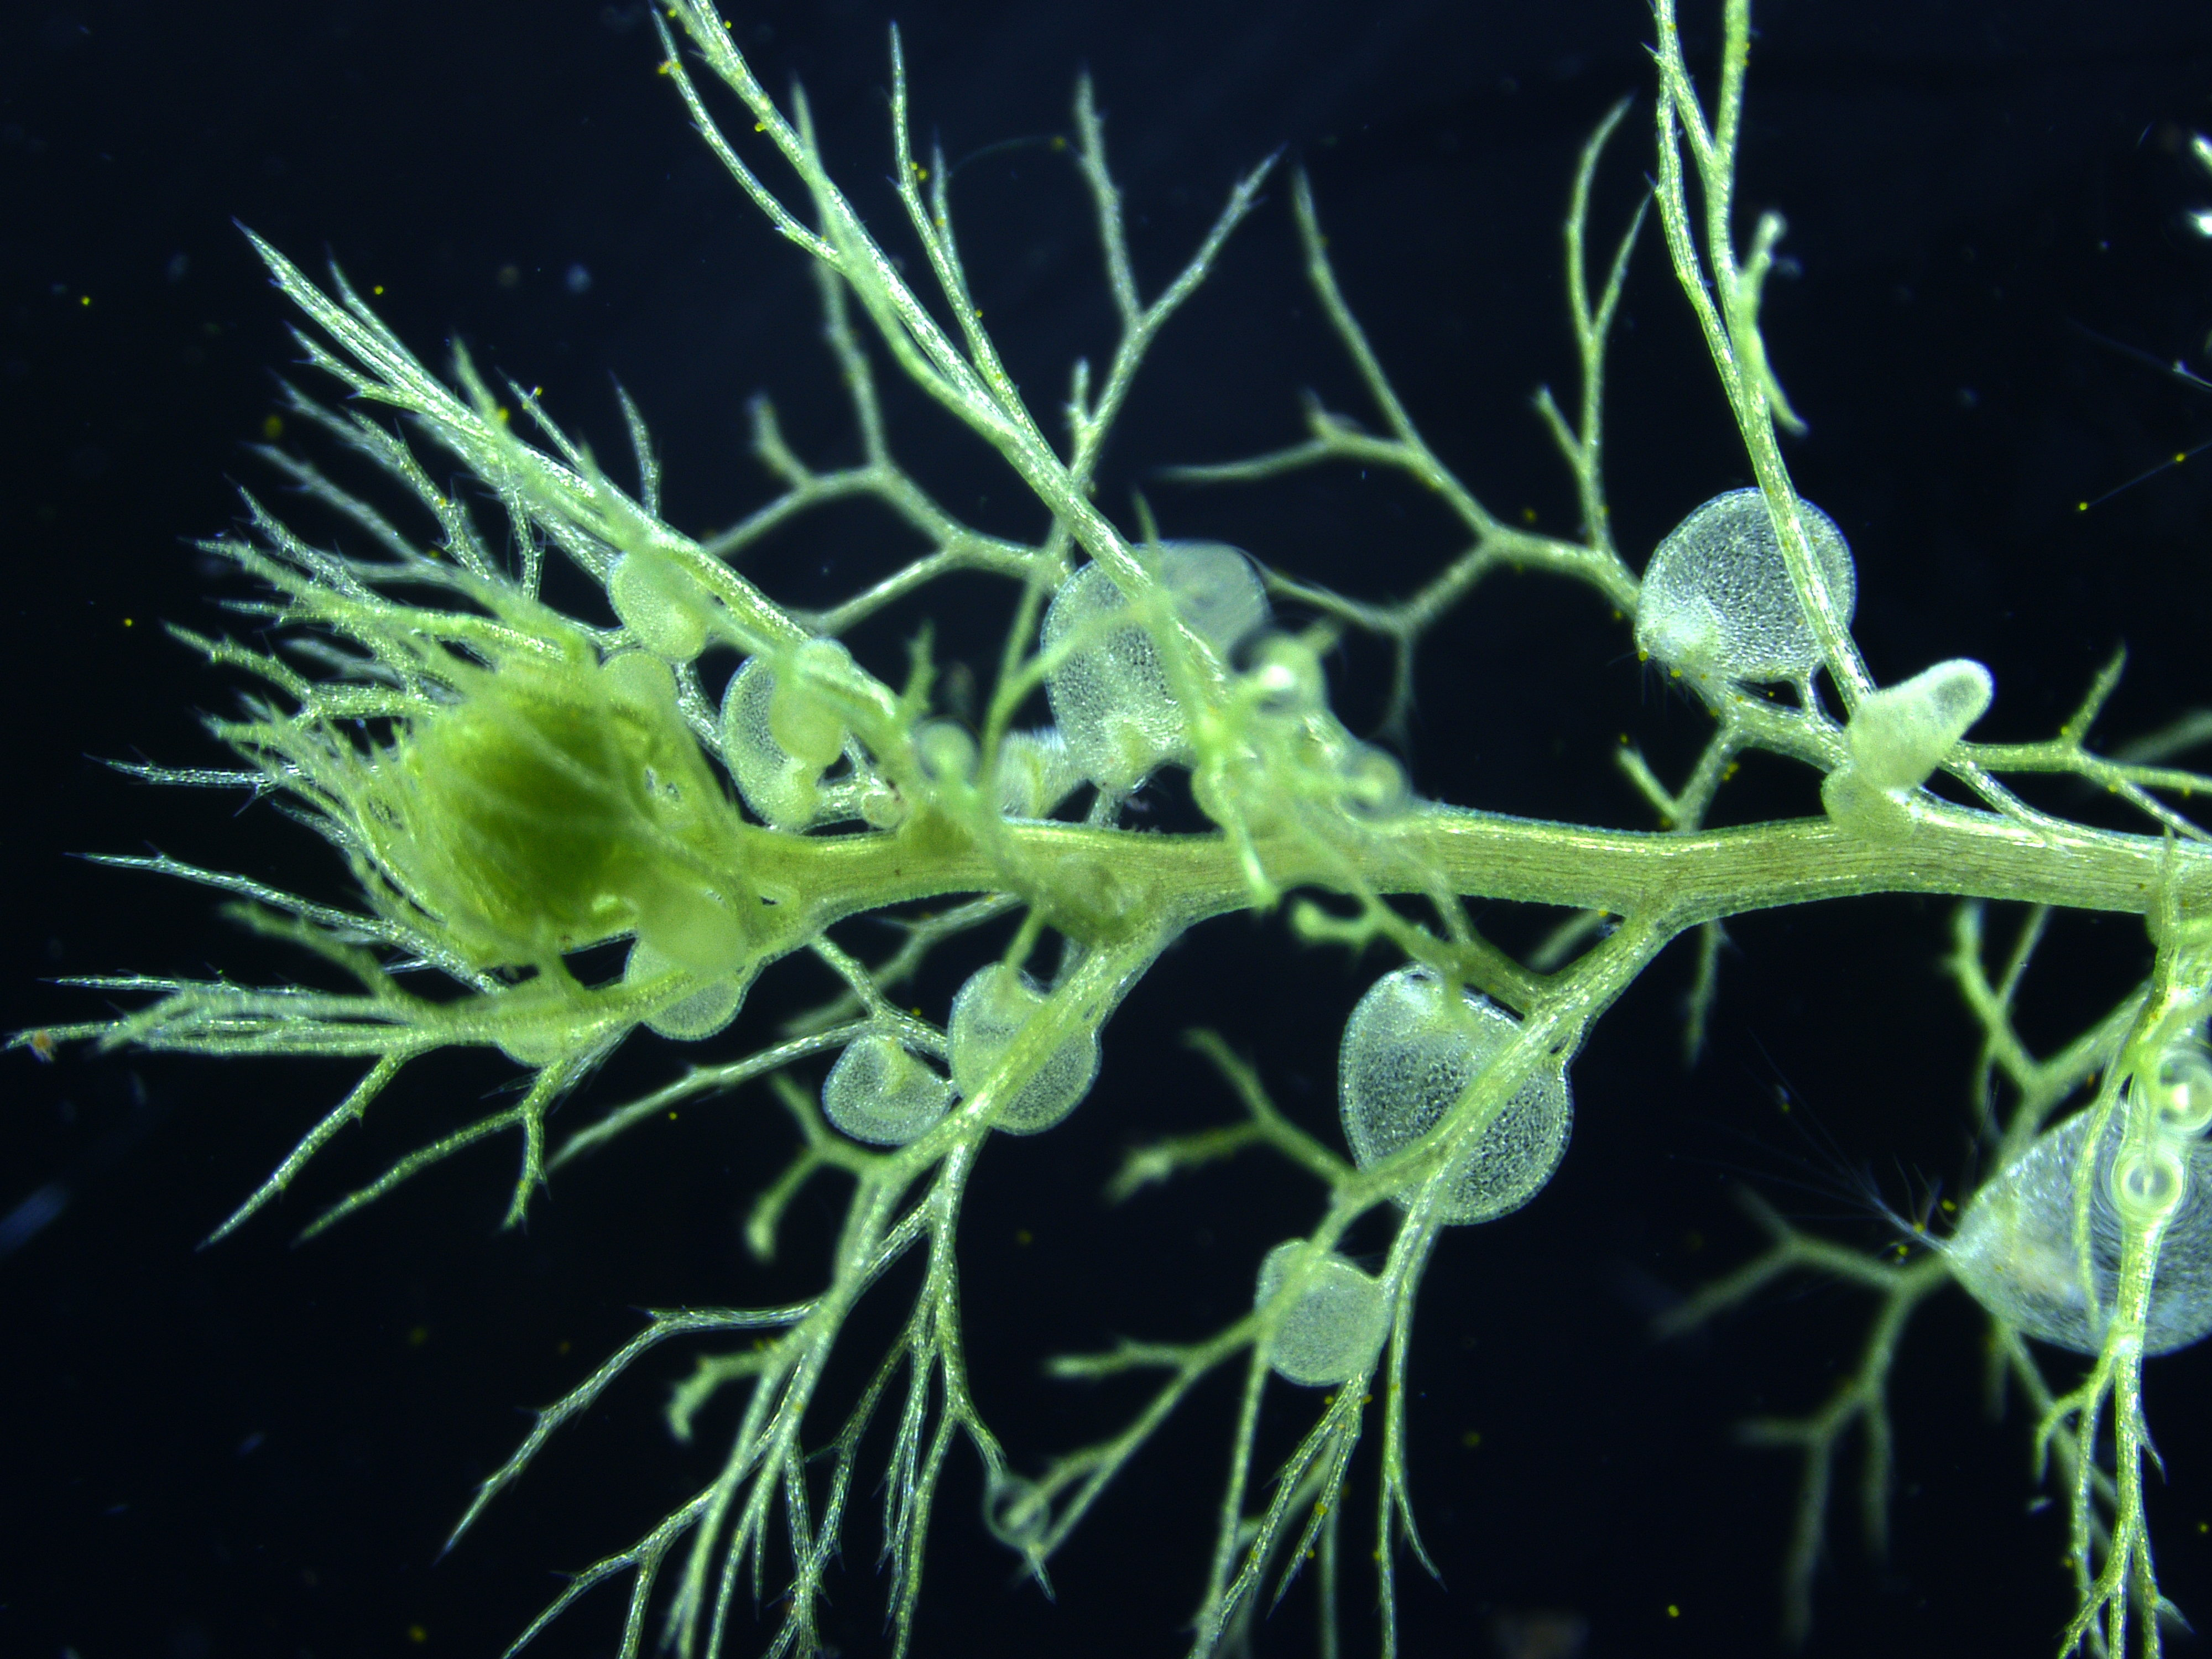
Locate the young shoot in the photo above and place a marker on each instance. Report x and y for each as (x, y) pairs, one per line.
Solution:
(1897, 736)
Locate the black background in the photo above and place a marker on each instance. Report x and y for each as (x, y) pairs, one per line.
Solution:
(256, 1449)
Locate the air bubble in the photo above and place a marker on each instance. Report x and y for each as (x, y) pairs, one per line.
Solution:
(881, 1093)
(660, 604)
(1287, 674)
(1371, 785)
(988, 1014)
(1717, 601)
(1109, 694)
(703, 1014)
(1406, 1061)
(2015, 1249)
(1033, 772)
(1332, 1333)
(783, 791)
(945, 752)
(2180, 1085)
(804, 724)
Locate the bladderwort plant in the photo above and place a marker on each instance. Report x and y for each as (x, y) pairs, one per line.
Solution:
(719, 786)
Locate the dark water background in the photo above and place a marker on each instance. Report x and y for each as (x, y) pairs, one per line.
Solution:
(257, 1449)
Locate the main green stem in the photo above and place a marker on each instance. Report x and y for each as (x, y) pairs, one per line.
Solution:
(1685, 878)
